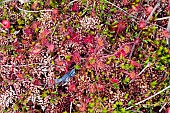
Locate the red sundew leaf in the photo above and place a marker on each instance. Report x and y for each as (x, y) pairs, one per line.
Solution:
(87, 100)
(34, 5)
(100, 87)
(75, 38)
(89, 39)
(165, 33)
(168, 8)
(142, 25)
(99, 42)
(93, 12)
(75, 7)
(132, 75)
(50, 47)
(82, 107)
(100, 64)
(15, 43)
(92, 88)
(167, 110)
(137, 41)
(76, 57)
(149, 9)
(44, 34)
(28, 31)
(44, 42)
(69, 31)
(121, 26)
(36, 51)
(37, 82)
(135, 64)
(113, 80)
(91, 50)
(20, 57)
(55, 11)
(135, 8)
(34, 25)
(127, 49)
(5, 24)
(72, 87)
(20, 76)
(125, 2)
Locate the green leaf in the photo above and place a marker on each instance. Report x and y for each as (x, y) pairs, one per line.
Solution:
(15, 107)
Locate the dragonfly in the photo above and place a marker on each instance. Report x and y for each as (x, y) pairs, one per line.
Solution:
(66, 77)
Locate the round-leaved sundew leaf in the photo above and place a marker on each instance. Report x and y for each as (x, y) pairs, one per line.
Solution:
(142, 25)
(5, 24)
(72, 87)
(50, 47)
(76, 57)
(132, 75)
(75, 7)
(113, 80)
(89, 39)
(135, 64)
(149, 9)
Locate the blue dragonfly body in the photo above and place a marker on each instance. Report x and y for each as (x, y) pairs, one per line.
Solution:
(66, 77)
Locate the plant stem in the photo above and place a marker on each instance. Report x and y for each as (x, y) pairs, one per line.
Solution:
(149, 97)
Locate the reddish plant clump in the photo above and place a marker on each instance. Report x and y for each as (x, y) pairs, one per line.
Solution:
(5, 24)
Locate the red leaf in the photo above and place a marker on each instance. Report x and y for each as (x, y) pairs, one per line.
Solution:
(91, 50)
(28, 31)
(142, 25)
(114, 80)
(37, 82)
(20, 75)
(36, 51)
(5, 24)
(132, 75)
(149, 9)
(168, 8)
(69, 31)
(72, 87)
(35, 25)
(50, 47)
(82, 107)
(125, 2)
(75, 7)
(167, 110)
(121, 26)
(76, 57)
(44, 42)
(135, 64)
(55, 11)
(89, 39)
(75, 38)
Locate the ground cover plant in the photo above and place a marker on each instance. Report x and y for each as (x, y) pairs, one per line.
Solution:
(94, 56)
